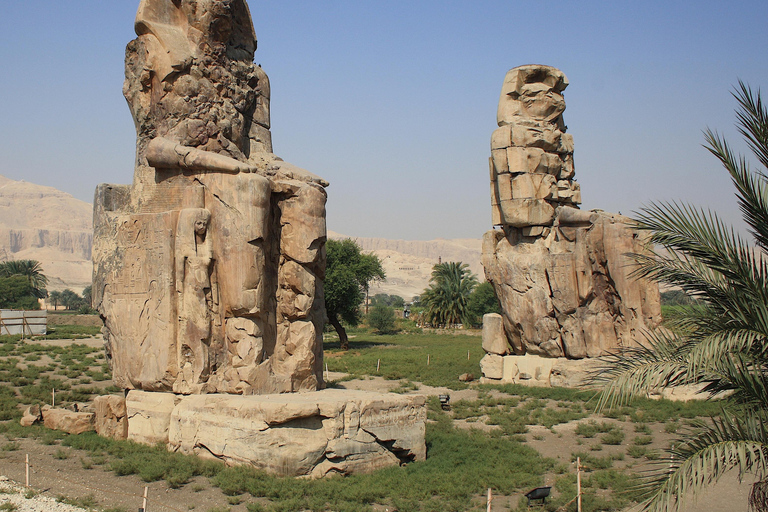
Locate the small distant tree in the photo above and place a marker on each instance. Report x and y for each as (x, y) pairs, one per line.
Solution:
(17, 293)
(54, 298)
(70, 299)
(483, 301)
(87, 296)
(394, 301)
(382, 318)
(446, 300)
(348, 275)
(32, 270)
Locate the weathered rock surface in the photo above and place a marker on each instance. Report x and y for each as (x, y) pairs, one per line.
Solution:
(111, 416)
(330, 431)
(149, 416)
(68, 421)
(562, 275)
(208, 269)
(32, 414)
(494, 339)
(492, 366)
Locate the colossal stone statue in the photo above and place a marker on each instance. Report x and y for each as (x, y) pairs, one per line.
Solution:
(208, 269)
(562, 275)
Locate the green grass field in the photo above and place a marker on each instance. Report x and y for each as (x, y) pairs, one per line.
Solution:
(493, 449)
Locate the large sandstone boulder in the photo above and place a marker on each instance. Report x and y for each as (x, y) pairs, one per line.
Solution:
(330, 431)
(111, 416)
(562, 275)
(68, 421)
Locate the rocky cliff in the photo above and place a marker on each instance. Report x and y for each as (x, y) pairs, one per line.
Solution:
(50, 226)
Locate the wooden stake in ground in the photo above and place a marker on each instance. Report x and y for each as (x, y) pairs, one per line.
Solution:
(427, 359)
(578, 484)
(27, 470)
(467, 355)
(144, 501)
(378, 364)
(53, 397)
(490, 499)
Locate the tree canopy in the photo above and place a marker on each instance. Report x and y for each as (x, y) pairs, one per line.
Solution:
(30, 269)
(348, 274)
(446, 300)
(721, 338)
(22, 282)
(483, 301)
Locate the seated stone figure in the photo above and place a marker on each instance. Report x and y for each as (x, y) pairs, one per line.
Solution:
(234, 305)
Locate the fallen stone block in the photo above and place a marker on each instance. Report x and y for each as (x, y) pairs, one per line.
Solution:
(111, 416)
(494, 339)
(68, 421)
(492, 366)
(32, 415)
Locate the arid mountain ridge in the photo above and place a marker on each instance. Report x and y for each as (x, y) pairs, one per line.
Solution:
(45, 224)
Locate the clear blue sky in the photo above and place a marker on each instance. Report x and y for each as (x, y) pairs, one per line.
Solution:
(394, 102)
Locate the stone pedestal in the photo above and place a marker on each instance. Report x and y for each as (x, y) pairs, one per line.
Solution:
(300, 434)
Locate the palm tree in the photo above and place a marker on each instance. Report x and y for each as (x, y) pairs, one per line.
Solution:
(31, 269)
(720, 340)
(447, 297)
(55, 298)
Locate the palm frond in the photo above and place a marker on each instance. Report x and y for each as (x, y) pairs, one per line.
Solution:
(702, 456)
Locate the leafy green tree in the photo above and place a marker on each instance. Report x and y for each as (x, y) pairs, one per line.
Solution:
(446, 299)
(483, 301)
(87, 296)
(348, 275)
(70, 299)
(30, 269)
(382, 318)
(722, 338)
(17, 293)
(54, 298)
(394, 301)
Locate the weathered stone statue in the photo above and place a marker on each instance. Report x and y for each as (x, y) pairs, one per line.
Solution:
(208, 269)
(562, 274)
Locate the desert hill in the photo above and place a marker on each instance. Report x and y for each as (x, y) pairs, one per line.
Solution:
(408, 263)
(45, 224)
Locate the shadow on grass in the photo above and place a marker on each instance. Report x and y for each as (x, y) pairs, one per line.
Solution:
(355, 345)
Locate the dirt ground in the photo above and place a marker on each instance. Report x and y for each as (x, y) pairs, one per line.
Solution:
(58, 470)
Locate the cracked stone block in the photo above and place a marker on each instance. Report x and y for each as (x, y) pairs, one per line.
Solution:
(492, 366)
(111, 416)
(149, 416)
(494, 339)
(311, 434)
(68, 421)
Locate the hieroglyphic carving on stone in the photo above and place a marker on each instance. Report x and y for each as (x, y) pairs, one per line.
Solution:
(242, 299)
(141, 295)
(562, 275)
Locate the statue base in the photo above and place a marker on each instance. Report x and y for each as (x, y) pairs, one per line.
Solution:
(297, 434)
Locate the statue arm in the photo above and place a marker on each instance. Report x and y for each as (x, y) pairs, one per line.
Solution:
(164, 153)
